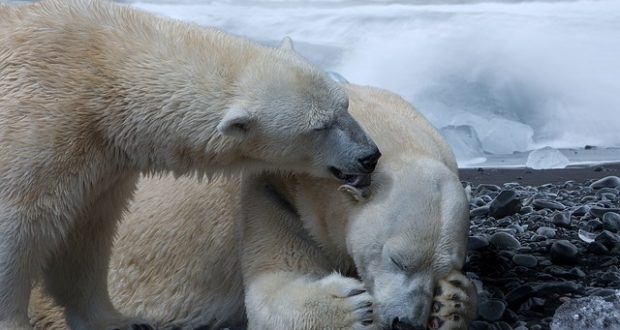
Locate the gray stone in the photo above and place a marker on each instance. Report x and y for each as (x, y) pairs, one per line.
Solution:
(477, 242)
(479, 211)
(525, 260)
(546, 231)
(599, 212)
(606, 182)
(611, 222)
(561, 220)
(491, 309)
(505, 204)
(563, 251)
(607, 238)
(540, 204)
(504, 241)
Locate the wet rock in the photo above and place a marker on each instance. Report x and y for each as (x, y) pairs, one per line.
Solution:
(608, 239)
(606, 182)
(518, 295)
(563, 251)
(611, 222)
(561, 220)
(546, 231)
(597, 248)
(504, 241)
(479, 211)
(543, 289)
(491, 309)
(599, 212)
(540, 204)
(525, 260)
(477, 242)
(505, 204)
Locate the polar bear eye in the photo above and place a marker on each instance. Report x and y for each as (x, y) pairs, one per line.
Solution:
(399, 264)
(322, 128)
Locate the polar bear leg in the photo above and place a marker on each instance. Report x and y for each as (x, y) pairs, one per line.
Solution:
(17, 257)
(76, 275)
(285, 300)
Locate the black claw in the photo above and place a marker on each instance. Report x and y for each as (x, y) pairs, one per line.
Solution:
(355, 292)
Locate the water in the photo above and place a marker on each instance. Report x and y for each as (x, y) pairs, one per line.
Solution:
(519, 75)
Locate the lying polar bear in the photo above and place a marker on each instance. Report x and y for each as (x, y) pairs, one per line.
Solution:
(299, 254)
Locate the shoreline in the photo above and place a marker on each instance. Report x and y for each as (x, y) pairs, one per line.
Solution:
(530, 177)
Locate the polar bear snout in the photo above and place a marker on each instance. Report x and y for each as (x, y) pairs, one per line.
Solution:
(370, 162)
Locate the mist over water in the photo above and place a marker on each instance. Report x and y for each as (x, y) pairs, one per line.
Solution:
(515, 76)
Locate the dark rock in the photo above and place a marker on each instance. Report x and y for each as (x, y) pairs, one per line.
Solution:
(540, 204)
(611, 222)
(561, 220)
(593, 225)
(479, 211)
(565, 287)
(581, 211)
(477, 242)
(546, 231)
(607, 238)
(505, 204)
(597, 248)
(491, 309)
(563, 251)
(488, 187)
(504, 241)
(525, 260)
(479, 325)
(599, 212)
(606, 182)
(518, 295)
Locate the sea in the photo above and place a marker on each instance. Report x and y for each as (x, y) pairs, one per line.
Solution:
(499, 79)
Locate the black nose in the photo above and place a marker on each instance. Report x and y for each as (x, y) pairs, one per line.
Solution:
(405, 324)
(370, 162)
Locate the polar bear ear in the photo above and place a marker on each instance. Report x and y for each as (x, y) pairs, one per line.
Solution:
(235, 122)
(287, 44)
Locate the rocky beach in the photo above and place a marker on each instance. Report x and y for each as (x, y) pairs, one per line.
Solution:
(545, 243)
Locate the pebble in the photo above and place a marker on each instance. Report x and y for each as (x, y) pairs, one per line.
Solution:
(491, 309)
(561, 220)
(477, 242)
(608, 239)
(611, 222)
(525, 260)
(546, 231)
(540, 204)
(599, 212)
(563, 251)
(597, 248)
(558, 287)
(606, 182)
(479, 211)
(518, 295)
(504, 241)
(505, 204)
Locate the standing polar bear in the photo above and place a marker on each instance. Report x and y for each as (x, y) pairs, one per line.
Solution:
(92, 94)
(290, 252)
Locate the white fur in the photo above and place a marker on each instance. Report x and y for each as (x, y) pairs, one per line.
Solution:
(93, 94)
(292, 251)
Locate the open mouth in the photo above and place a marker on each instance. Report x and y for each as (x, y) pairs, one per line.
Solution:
(355, 180)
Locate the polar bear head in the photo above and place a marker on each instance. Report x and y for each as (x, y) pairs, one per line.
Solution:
(293, 116)
(408, 237)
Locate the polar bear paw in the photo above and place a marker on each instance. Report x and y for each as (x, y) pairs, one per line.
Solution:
(350, 303)
(454, 304)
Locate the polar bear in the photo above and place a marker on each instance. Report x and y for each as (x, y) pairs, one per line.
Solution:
(92, 94)
(291, 252)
